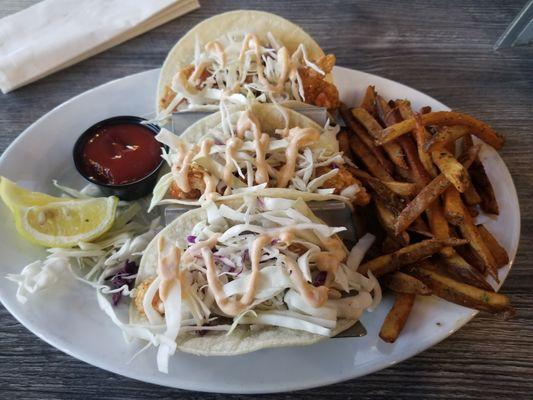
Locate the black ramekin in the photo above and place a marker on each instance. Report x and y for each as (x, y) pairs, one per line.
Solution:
(127, 191)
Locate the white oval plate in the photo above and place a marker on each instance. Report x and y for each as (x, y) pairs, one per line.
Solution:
(68, 317)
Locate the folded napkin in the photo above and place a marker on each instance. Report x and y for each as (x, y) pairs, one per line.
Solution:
(55, 34)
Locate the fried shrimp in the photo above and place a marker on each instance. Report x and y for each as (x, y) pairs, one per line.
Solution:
(196, 180)
(317, 89)
(140, 291)
(342, 180)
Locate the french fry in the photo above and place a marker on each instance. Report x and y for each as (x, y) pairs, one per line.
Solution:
(448, 118)
(392, 148)
(397, 317)
(470, 232)
(471, 196)
(429, 194)
(392, 200)
(499, 253)
(458, 267)
(439, 226)
(420, 134)
(452, 169)
(419, 226)
(369, 100)
(402, 189)
(344, 144)
(453, 206)
(463, 294)
(368, 159)
(403, 283)
(387, 219)
(471, 258)
(484, 187)
(421, 202)
(387, 263)
(445, 136)
(363, 135)
(419, 174)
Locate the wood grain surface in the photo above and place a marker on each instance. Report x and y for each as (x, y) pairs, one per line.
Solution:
(443, 48)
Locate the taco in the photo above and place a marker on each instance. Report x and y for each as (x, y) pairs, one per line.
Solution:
(223, 280)
(265, 149)
(218, 60)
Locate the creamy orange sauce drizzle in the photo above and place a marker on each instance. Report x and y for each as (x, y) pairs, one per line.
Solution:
(283, 60)
(180, 170)
(329, 260)
(217, 49)
(168, 266)
(210, 187)
(315, 296)
(297, 137)
(232, 146)
(248, 121)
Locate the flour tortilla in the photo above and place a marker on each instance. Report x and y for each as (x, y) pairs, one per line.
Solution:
(270, 118)
(248, 21)
(218, 343)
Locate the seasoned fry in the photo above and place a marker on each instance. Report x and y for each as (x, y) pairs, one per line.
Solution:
(403, 283)
(462, 270)
(500, 254)
(453, 204)
(429, 194)
(471, 258)
(419, 174)
(439, 226)
(407, 255)
(420, 134)
(368, 159)
(448, 118)
(445, 136)
(344, 144)
(421, 202)
(386, 218)
(471, 196)
(419, 226)
(392, 148)
(363, 135)
(402, 189)
(397, 317)
(454, 171)
(482, 184)
(463, 294)
(369, 100)
(470, 232)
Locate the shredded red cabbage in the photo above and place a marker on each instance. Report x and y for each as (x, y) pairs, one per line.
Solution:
(320, 278)
(124, 276)
(191, 239)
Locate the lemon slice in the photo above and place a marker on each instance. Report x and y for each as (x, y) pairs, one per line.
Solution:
(64, 224)
(15, 196)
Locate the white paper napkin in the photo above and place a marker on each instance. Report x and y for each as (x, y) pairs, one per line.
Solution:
(55, 34)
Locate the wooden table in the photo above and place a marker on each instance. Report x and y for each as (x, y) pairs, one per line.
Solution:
(443, 49)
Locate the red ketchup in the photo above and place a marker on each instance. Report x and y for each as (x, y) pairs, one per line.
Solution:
(120, 153)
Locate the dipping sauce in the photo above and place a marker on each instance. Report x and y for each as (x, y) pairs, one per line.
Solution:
(120, 153)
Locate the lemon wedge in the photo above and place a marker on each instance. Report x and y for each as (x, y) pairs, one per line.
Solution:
(56, 221)
(65, 224)
(15, 196)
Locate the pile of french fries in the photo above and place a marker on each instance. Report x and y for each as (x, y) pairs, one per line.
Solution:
(427, 185)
